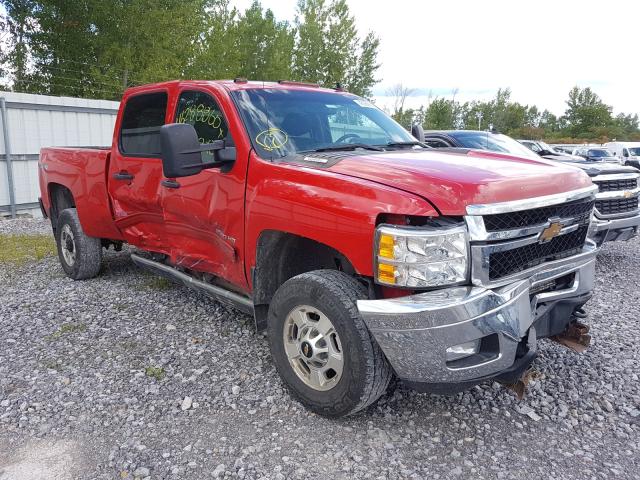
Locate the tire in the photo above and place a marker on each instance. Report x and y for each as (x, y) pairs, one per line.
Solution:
(79, 254)
(365, 372)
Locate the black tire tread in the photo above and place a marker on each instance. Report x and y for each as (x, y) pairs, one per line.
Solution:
(348, 290)
(89, 249)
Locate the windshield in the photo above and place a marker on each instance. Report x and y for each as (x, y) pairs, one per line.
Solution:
(599, 152)
(634, 152)
(284, 122)
(494, 142)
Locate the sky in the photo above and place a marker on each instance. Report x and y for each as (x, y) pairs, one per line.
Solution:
(540, 49)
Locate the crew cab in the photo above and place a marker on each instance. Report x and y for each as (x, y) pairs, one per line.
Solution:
(362, 252)
(617, 213)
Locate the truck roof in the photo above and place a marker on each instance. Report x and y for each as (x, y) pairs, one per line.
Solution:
(237, 84)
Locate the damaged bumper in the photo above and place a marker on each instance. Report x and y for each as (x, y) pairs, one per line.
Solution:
(614, 229)
(449, 339)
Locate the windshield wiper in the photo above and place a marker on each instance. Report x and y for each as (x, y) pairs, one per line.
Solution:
(406, 144)
(345, 147)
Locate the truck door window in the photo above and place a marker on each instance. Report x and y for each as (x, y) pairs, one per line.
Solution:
(140, 132)
(201, 110)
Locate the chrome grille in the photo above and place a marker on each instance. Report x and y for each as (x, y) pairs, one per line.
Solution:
(616, 206)
(538, 216)
(616, 185)
(508, 262)
(513, 240)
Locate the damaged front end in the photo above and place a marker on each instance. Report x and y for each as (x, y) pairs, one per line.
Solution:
(532, 265)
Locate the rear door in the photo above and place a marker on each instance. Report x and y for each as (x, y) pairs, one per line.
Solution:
(204, 213)
(135, 170)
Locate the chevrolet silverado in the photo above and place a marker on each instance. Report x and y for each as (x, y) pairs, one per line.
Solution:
(364, 253)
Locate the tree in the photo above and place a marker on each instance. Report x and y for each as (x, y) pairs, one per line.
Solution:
(265, 45)
(252, 45)
(96, 49)
(586, 112)
(399, 93)
(17, 28)
(441, 114)
(627, 124)
(328, 49)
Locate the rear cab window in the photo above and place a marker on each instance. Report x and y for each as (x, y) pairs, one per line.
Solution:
(141, 121)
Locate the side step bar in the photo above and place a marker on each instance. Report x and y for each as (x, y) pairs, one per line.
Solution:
(223, 295)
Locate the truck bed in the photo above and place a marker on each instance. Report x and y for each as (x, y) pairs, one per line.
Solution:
(83, 171)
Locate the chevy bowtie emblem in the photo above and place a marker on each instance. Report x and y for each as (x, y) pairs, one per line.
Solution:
(627, 194)
(551, 232)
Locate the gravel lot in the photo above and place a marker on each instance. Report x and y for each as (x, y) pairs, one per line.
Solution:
(128, 376)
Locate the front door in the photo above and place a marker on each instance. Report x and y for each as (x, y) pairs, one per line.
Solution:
(204, 213)
(135, 171)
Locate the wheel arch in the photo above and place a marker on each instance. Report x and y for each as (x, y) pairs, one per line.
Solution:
(282, 255)
(60, 198)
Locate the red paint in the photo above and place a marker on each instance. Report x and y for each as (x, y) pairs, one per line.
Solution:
(451, 181)
(213, 221)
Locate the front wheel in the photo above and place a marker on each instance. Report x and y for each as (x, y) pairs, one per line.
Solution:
(322, 348)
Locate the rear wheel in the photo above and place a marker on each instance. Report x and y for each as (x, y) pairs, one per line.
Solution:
(79, 254)
(322, 348)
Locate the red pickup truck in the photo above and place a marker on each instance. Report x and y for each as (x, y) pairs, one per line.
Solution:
(364, 253)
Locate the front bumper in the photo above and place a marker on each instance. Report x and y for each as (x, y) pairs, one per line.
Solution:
(414, 332)
(613, 229)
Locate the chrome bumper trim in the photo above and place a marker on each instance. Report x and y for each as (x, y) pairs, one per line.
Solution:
(620, 229)
(531, 203)
(618, 194)
(615, 176)
(415, 331)
(617, 223)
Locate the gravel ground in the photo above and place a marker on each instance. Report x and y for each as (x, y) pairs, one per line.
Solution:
(127, 376)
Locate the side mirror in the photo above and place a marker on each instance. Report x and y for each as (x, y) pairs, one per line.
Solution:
(418, 132)
(181, 151)
(625, 154)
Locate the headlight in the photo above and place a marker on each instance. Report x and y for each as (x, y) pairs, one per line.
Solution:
(421, 256)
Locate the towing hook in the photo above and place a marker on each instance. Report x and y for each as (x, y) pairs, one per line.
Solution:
(580, 313)
(576, 337)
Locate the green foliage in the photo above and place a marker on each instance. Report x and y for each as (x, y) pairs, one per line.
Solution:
(93, 48)
(252, 45)
(328, 50)
(587, 117)
(157, 373)
(67, 329)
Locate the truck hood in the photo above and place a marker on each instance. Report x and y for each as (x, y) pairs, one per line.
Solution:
(453, 179)
(562, 157)
(600, 168)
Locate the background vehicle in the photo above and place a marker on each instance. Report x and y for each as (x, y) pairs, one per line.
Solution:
(547, 151)
(565, 148)
(617, 211)
(627, 152)
(596, 154)
(362, 253)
